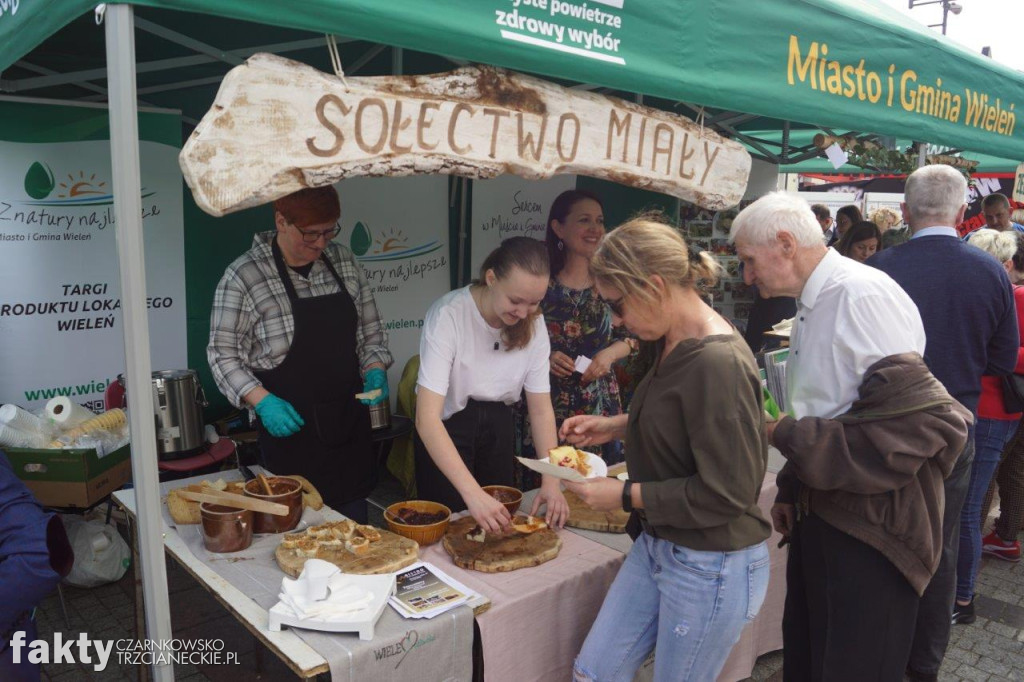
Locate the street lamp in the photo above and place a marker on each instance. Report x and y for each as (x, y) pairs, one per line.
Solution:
(947, 7)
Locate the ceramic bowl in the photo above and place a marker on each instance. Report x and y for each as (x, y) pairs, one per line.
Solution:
(508, 496)
(225, 529)
(426, 534)
(287, 491)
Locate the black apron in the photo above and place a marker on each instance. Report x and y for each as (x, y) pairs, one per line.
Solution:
(319, 377)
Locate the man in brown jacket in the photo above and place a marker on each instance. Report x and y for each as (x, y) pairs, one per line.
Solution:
(876, 472)
(850, 611)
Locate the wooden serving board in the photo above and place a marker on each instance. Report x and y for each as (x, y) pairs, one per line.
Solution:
(389, 554)
(498, 554)
(582, 516)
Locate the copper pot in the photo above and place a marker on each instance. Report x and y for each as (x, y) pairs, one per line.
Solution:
(226, 529)
(286, 491)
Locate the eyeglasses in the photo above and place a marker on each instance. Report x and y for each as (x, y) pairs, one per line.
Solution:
(311, 236)
(616, 305)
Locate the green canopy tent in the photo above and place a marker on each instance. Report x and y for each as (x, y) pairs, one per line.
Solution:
(804, 157)
(852, 65)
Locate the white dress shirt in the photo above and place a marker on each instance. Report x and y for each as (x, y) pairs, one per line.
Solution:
(848, 317)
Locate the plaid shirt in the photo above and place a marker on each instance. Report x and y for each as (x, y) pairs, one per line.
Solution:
(251, 325)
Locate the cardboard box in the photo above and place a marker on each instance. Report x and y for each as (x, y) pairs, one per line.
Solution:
(73, 477)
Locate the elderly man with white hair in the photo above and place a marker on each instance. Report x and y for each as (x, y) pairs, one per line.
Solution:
(969, 316)
(869, 438)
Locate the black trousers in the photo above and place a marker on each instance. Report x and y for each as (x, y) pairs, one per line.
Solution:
(483, 435)
(849, 614)
(935, 616)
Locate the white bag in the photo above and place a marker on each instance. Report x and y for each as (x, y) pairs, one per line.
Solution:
(101, 554)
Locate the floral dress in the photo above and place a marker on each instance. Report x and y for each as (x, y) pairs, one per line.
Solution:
(579, 323)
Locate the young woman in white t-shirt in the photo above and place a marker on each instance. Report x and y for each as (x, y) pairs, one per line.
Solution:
(481, 346)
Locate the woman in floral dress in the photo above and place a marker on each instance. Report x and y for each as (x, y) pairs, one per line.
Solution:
(579, 323)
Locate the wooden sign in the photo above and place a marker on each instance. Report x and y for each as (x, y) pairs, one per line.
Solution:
(278, 126)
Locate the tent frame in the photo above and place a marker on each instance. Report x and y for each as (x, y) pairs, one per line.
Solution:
(127, 182)
(122, 94)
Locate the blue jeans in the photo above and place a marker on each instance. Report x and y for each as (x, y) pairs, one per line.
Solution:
(991, 435)
(691, 604)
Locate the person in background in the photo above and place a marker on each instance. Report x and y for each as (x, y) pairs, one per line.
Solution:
(854, 562)
(824, 218)
(995, 426)
(34, 555)
(765, 313)
(888, 222)
(967, 307)
(482, 346)
(578, 322)
(846, 217)
(294, 335)
(1002, 542)
(861, 241)
(996, 208)
(696, 458)
(1017, 216)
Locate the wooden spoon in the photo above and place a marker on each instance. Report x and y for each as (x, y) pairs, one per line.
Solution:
(266, 484)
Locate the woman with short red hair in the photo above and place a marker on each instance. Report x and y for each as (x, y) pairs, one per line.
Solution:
(294, 335)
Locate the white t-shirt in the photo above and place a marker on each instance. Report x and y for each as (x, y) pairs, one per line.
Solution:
(458, 359)
(848, 317)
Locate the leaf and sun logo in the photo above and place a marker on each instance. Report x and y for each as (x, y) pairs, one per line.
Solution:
(390, 245)
(76, 189)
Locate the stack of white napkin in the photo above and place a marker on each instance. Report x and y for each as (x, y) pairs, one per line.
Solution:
(323, 592)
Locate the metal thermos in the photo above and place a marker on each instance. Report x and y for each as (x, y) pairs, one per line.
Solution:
(380, 415)
(178, 402)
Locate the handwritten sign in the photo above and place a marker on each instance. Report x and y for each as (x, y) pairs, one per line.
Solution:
(277, 126)
(509, 206)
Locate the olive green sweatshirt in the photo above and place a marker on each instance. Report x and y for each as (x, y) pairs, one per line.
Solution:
(695, 444)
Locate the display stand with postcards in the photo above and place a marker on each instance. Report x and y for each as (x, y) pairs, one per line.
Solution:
(424, 591)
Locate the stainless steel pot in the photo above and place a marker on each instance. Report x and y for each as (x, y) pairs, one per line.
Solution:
(178, 402)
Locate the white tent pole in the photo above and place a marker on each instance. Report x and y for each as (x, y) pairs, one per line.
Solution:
(124, 153)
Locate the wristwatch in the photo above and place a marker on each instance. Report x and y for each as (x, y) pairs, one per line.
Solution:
(627, 496)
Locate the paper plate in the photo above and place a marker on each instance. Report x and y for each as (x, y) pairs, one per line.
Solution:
(542, 466)
(597, 465)
(624, 476)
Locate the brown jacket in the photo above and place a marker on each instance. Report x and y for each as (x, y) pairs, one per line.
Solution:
(876, 472)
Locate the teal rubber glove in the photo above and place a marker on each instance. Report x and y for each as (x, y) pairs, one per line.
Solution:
(278, 416)
(376, 378)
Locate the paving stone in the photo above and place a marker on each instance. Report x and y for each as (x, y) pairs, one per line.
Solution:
(112, 673)
(1015, 661)
(993, 667)
(1001, 629)
(1012, 614)
(56, 669)
(1007, 644)
(75, 675)
(972, 674)
(962, 656)
(988, 650)
(80, 598)
(124, 613)
(115, 599)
